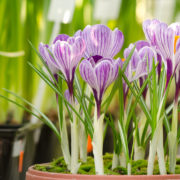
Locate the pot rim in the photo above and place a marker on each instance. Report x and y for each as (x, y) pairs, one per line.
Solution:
(52, 174)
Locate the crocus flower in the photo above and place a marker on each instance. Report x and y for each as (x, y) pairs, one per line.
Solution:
(138, 67)
(166, 41)
(101, 41)
(149, 30)
(99, 70)
(99, 74)
(64, 55)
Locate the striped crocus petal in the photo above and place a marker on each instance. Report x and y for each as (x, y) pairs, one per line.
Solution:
(166, 43)
(147, 54)
(101, 41)
(177, 80)
(99, 75)
(61, 37)
(167, 46)
(138, 66)
(176, 27)
(148, 27)
(44, 52)
(140, 44)
(67, 55)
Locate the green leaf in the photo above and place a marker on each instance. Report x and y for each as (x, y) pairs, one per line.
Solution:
(60, 106)
(44, 118)
(140, 100)
(126, 62)
(121, 98)
(81, 100)
(55, 89)
(42, 60)
(124, 140)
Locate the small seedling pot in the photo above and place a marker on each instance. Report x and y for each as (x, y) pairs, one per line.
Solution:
(40, 175)
(17, 149)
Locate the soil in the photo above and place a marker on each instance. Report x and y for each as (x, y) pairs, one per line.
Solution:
(138, 167)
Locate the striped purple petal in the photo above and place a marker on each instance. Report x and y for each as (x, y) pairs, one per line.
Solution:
(140, 44)
(101, 41)
(177, 80)
(44, 51)
(148, 27)
(99, 75)
(88, 74)
(176, 28)
(138, 66)
(61, 37)
(163, 38)
(147, 54)
(67, 55)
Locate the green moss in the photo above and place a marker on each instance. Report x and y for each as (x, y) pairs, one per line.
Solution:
(86, 167)
(138, 167)
(177, 169)
(40, 167)
(178, 161)
(120, 170)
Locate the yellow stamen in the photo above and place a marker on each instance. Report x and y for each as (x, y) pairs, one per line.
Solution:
(175, 41)
(123, 59)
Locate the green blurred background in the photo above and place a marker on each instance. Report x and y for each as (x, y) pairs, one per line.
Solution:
(23, 20)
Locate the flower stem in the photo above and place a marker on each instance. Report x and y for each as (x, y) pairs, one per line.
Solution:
(74, 143)
(172, 139)
(139, 153)
(65, 144)
(156, 145)
(160, 153)
(98, 142)
(122, 159)
(115, 160)
(83, 143)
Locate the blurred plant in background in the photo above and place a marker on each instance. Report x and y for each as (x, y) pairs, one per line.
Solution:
(23, 20)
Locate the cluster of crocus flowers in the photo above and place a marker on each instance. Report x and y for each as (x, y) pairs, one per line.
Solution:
(99, 70)
(96, 46)
(166, 42)
(63, 56)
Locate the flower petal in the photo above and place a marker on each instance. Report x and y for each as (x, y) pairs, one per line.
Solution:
(62, 52)
(165, 41)
(101, 41)
(106, 73)
(134, 58)
(176, 28)
(148, 27)
(43, 50)
(147, 54)
(117, 40)
(88, 74)
(140, 44)
(61, 37)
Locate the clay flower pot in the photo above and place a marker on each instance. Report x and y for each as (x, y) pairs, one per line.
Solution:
(40, 175)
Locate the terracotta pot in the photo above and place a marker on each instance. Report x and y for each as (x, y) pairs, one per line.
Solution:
(39, 175)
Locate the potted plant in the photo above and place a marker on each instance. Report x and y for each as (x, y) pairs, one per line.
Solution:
(142, 79)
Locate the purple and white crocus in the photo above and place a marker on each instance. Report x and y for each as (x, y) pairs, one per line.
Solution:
(63, 55)
(165, 39)
(99, 70)
(140, 63)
